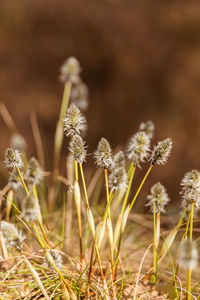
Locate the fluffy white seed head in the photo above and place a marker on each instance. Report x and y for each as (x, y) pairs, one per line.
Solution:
(103, 154)
(70, 70)
(79, 95)
(74, 121)
(77, 148)
(161, 152)
(148, 127)
(56, 257)
(191, 189)
(12, 236)
(118, 179)
(12, 159)
(159, 196)
(14, 180)
(30, 208)
(188, 255)
(18, 142)
(119, 160)
(138, 148)
(34, 171)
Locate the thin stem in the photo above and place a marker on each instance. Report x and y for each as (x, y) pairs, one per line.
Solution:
(108, 206)
(76, 170)
(84, 185)
(117, 258)
(189, 271)
(191, 220)
(99, 260)
(80, 238)
(107, 191)
(12, 204)
(132, 172)
(187, 226)
(91, 261)
(141, 185)
(189, 296)
(153, 279)
(22, 180)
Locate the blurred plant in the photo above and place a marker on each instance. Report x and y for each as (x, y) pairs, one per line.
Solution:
(157, 202)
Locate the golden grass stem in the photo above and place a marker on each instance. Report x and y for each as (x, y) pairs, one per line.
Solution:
(84, 185)
(9, 204)
(76, 170)
(17, 209)
(69, 204)
(154, 276)
(132, 172)
(189, 271)
(91, 262)
(107, 191)
(22, 180)
(141, 185)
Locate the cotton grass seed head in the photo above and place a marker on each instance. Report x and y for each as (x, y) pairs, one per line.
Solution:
(14, 180)
(77, 148)
(148, 127)
(70, 70)
(79, 95)
(119, 160)
(34, 171)
(158, 196)
(138, 148)
(18, 142)
(74, 121)
(118, 179)
(12, 236)
(191, 189)
(30, 208)
(188, 255)
(161, 152)
(12, 159)
(103, 154)
(57, 259)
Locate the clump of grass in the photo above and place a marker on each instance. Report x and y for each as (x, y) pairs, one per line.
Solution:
(106, 247)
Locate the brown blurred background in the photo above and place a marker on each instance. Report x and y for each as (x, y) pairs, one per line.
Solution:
(140, 59)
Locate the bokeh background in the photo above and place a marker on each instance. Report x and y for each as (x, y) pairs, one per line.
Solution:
(140, 60)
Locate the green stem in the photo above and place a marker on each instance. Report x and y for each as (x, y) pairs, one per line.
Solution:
(132, 172)
(76, 170)
(13, 204)
(108, 206)
(84, 185)
(191, 220)
(153, 279)
(189, 271)
(141, 185)
(187, 226)
(22, 180)
(107, 191)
